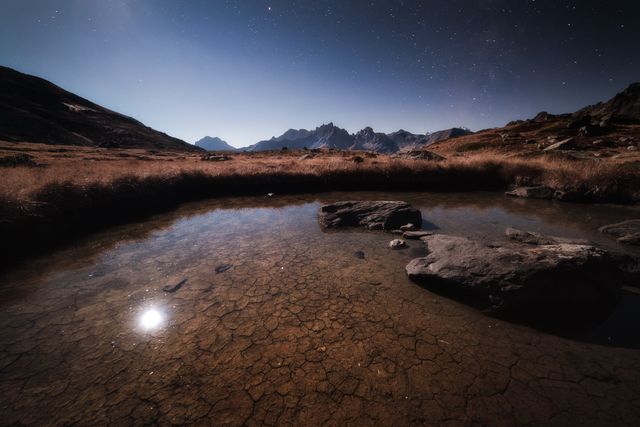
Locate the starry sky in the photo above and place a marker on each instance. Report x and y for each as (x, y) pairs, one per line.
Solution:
(246, 70)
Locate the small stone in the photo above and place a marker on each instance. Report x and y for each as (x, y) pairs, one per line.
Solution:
(397, 244)
(359, 254)
(408, 227)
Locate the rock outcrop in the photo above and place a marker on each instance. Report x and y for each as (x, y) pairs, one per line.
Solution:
(627, 232)
(510, 274)
(374, 215)
(565, 144)
(537, 192)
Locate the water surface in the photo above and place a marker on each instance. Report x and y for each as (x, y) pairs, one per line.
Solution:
(242, 311)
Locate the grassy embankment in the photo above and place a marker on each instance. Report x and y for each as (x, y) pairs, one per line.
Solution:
(71, 191)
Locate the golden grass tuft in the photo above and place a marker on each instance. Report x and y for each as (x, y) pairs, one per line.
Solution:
(73, 191)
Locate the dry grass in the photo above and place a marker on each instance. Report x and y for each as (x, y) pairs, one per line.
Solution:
(86, 168)
(73, 191)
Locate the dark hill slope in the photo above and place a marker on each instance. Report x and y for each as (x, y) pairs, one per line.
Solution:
(35, 110)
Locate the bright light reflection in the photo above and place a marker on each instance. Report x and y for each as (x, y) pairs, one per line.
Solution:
(151, 319)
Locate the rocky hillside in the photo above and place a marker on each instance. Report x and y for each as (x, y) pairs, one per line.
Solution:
(605, 130)
(214, 144)
(442, 135)
(331, 136)
(622, 108)
(35, 110)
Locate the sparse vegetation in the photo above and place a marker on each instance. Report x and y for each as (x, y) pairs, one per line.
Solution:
(75, 192)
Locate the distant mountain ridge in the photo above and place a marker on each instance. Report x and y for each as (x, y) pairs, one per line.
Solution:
(35, 110)
(331, 136)
(214, 144)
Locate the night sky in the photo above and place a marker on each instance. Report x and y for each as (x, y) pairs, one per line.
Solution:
(247, 70)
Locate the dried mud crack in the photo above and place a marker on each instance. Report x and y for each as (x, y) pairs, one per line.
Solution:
(295, 333)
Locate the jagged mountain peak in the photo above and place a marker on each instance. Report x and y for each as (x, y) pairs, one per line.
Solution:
(213, 143)
(329, 135)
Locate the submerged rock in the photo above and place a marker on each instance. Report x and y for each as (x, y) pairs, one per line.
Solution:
(222, 268)
(174, 288)
(374, 215)
(627, 232)
(512, 274)
(532, 238)
(537, 192)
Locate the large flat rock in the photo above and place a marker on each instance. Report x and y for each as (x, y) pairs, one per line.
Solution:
(374, 215)
(515, 274)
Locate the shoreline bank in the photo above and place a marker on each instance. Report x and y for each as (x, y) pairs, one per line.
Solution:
(58, 212)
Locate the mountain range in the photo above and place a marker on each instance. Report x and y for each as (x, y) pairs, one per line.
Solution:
(35, 110)
(331, 136)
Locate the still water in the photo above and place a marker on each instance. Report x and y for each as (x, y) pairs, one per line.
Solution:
(243, 311)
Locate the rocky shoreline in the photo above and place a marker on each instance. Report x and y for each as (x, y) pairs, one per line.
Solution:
(574, 194)
(524, 271)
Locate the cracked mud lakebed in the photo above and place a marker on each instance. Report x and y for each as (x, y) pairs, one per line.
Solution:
(244, 312)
